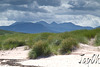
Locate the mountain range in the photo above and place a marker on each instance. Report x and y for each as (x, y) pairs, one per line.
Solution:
(63, 27)
(42, 26)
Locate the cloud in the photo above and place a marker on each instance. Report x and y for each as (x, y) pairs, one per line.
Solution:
(60, 11)
(49, 2)
(82, 20)
(16, 2)
(25, 16)
(84, 5)
(6, 23)
(40, 2)
(33, 7)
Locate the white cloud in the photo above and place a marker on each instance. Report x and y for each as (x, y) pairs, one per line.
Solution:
(82, 20)
(6, 23)
(81, 12)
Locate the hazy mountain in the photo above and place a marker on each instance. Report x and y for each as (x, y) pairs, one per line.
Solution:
(42, 26)
(43, 23)
(16, 23)
(62, 27)
(98, 27)
(26, 27)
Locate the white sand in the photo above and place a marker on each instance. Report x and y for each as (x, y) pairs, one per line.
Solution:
(67, 60)
(8, 66)
(54, 61)
(16, 53)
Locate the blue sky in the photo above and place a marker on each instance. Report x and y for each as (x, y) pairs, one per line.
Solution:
(80, 12)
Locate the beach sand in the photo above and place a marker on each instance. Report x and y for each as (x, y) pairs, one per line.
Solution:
(71, 60)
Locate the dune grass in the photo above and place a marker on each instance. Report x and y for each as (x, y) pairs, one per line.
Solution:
(3, 32)
(49, 43)
(68, 45)
(40, 48)
(97, 41)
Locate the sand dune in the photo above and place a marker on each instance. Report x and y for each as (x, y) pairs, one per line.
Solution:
(67, 60)
(16, 53)
(71, 60)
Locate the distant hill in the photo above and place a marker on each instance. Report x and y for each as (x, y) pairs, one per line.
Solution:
(27, 27)
(62, 27)
(98, 27)
(2, 32)
(16, 23)
(42, 26)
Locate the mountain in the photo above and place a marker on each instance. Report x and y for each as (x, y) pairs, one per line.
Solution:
(43, 23)
(26, 27)
(42, 26)
(98, 27)
(63, 27)
(19, 23)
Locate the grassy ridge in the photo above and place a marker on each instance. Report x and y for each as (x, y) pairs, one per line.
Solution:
(3, 32)
(44, 44)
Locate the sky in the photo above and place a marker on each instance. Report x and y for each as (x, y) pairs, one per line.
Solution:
(80, 12)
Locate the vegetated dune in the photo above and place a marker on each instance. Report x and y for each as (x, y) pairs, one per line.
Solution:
(53, 44)
(71, 60)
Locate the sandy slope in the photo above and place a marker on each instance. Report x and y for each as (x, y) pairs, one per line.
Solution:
(71, 60)
(16, 53)
(67, 60)
(8, 66)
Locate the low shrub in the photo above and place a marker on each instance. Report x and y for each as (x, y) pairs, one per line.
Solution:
(81, 39)
(65, 35)
(32, 54)
(43, 36)
(68, 45)
(90, 34)
(40, 48)
(55, 40)
(29, 42)
(97, 41)
(11, 43)
(54, 49)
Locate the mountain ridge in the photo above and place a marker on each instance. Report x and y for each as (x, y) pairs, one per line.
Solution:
(42, 26)
(63, 27)
(27, 28)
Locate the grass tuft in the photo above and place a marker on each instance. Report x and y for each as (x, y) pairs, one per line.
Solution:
(68, 45)
(40, 48)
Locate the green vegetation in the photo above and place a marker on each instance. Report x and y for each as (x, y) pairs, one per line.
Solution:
(44, 44)
(2, 32)
(68, 45)
(11, 43)
(40, 48)
(97, 42)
